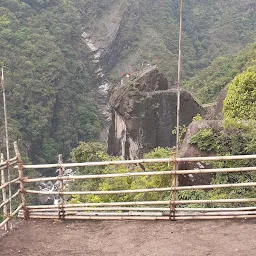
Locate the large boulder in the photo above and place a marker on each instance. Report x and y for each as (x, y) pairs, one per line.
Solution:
(190, 150)
(144, 114)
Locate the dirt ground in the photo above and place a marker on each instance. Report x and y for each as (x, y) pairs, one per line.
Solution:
(151, 238)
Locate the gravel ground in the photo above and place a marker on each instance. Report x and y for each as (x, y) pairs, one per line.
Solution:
(100, 238)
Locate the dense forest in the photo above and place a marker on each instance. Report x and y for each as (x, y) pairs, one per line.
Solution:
(207, 83)
(50, 71)
(47, 80)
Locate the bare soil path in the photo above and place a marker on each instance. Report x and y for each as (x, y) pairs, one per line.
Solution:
(136, 238)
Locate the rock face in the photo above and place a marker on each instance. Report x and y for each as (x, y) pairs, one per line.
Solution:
(189, 150)
(144, 114)
(218, 115)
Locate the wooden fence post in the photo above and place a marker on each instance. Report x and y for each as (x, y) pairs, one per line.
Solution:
(174, 185)
(61, 188)
(4, 192)
(21, 180)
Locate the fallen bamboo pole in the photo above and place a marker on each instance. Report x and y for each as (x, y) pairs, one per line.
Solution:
(100, 214)
(216, 201)
(141, 161)
(163, 209)
(234, 185)
(216, 217)
(76, 213)
(225, 213)
(134, 174)
(10, 217)
(98, 192)
(8, 200)
(167, 213)
(215, 209)
(104, 209)
(102, 204)
(241, 200)
(145, 218)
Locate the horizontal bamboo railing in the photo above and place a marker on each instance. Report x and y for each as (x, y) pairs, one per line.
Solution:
(216, 201)
(141, 210)
(161, 209)
(140, 161)
(134, 213)
(146, 217)
(235, 185)
(135, 174)
(148, 214)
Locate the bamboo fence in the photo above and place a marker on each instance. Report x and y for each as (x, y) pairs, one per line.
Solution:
(7, 195)
(148, 210)
(173, 209)
(142, 161)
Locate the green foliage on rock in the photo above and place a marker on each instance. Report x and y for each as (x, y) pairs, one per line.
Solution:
(204, 139)
(235, 141)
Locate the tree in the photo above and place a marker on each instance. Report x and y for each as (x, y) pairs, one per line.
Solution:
(240, 102)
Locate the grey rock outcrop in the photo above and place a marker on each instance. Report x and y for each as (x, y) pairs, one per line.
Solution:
(218, 115)
(189, 150)
(144, 114)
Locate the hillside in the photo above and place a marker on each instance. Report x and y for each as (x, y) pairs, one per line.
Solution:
(46, 78)
(209, 81)
(129, 33)
(56, 55)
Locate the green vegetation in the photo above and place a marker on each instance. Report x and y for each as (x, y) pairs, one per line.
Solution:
(240, 102)
(198, 117)
(238, 137)
(148, 32)
(228, 142)
(96, 152)
(50, 76)
(47, 81)
(207, 84)
(204, 140)
(220, 141)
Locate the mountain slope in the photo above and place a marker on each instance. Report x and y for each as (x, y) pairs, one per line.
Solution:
(208, 82)
(57, 53)
(46, 78)
(147, 31)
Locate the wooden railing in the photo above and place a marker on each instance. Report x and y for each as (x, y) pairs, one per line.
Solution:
(7, 171)
(140, 210)
(173, 209)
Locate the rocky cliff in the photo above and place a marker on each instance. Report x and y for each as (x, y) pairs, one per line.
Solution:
(188, 150)
(144, 114)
